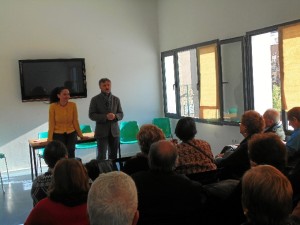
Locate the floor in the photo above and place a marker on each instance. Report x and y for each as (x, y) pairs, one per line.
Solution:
(16, 202)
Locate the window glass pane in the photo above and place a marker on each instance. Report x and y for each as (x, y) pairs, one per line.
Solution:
(209, 82)
(187, 66)
(232, 72)
(266, 72)
(170, 84)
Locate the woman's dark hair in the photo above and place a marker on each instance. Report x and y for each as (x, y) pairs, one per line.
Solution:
(253, 122)
(267, 148)
(186, 129)
(92, 169)
(70, 184)
(53, 95)
(294, 113)
(54, 151)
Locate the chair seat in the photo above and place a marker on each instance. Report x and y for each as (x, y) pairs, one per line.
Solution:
(86, 145)
(128, 142)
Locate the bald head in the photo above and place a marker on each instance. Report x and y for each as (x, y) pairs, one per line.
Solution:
(162, 156)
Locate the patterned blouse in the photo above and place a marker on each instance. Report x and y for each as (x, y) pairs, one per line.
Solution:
(191, 160)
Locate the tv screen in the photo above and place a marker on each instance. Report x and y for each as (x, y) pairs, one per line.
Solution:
(40, 76)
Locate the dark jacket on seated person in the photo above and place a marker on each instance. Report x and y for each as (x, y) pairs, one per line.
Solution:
(169, 198)
(165, 197)
(136, 163)
(236, 164)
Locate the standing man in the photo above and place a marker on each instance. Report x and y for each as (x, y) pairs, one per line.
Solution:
(106, 110)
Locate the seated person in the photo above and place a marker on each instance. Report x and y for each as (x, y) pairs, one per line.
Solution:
(147, 135)
(92, 168)
(165, 197)
(234, 165)
(293, 143)
(113, 200)
(54, 151)
(67, 197)
(273, 123)
(267, 149)
(266, 196)
(194, 155)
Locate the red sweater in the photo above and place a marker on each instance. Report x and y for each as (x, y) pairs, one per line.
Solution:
(48, 212)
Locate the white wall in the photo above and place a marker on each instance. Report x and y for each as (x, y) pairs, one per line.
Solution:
(183, 23)
(117, 38)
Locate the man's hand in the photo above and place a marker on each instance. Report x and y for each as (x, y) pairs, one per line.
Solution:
(110, 116)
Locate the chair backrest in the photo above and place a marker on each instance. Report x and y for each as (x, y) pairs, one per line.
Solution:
(164, 124)
(86, 128)
(43, 135)
(128, 131)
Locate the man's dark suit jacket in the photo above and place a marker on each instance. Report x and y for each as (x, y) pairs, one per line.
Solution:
(98, 111)
(169, 198)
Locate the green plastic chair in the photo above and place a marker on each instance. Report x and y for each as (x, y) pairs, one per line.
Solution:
(86, 129)
(164, 124)
(128, 133)
(2, 156)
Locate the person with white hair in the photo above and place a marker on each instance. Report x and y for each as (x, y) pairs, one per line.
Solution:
(112, 200)
(273, 123)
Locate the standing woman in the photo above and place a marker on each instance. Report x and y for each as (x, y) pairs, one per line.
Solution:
(63, 120)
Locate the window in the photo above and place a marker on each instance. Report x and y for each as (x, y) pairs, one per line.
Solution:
(232, 78)
(275, 57)
(217, 81)
(191, 81)
(169, 84)
(266, 71)
(188, 79)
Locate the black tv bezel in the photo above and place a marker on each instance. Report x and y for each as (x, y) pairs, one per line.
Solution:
(33, 98)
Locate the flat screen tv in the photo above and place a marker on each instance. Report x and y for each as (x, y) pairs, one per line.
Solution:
(40, 76)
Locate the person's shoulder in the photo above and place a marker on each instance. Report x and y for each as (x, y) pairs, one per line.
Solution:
(201, 142)
(53, 105)
(72, 104)
(139, 175)
(96, 97)
(115, 97)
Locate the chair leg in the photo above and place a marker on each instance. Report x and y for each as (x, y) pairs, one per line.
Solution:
(6, 169)
(2, 183)
(119, 150)
(40, 164)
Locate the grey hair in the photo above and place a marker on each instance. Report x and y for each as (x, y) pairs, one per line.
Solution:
(112, 199)
(272, 114)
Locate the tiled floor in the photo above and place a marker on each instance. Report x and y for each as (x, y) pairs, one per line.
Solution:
(16, 202)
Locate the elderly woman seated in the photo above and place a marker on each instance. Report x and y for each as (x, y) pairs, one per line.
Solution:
(147, 135)
(195, 155)
(236, 164)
